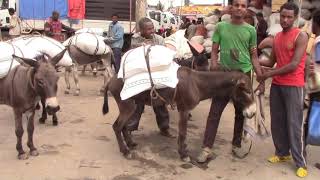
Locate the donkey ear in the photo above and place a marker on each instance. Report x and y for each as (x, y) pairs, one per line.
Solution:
(193, 50)
(28, 61)
(58, 57)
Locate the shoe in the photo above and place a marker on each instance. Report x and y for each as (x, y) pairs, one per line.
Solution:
(277, 159)
(302, 172)
(205, 154)
(166, 133)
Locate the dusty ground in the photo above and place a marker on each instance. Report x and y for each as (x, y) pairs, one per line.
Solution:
(83, 147)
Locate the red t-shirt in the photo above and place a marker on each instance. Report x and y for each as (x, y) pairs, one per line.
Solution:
(284, 46)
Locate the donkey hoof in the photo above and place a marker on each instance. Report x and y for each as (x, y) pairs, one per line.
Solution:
(186, 159)
(239, 152)
(34, 153)
(67, 91)
(77, 93)
(42, 120)
(129, 156)
(23, 156)
(205, 154)
(55, 123)
(132, 145)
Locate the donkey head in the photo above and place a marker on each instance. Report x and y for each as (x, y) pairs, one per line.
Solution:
(243, 96)
(45, 79)
(200, 58)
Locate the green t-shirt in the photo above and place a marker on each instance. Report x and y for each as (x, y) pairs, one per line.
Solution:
(235, 42)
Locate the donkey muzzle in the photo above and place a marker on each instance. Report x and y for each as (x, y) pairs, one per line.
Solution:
(250, 111)
(51, 110)
(52, 105)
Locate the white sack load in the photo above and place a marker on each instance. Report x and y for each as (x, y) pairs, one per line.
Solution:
(211, 20)
(274, 29)
(44, 45)
(133, 62)
(88, 43)
(226, 17)
(207, 42)
(141, 82)
(210, 34)
(208, 45)
(211, 27)
(180, 43)
(7, 62)
(274, 18)
(21, 51)
(197, 39)
(96, 31)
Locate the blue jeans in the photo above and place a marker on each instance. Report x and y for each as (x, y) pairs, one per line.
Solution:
(117, 58)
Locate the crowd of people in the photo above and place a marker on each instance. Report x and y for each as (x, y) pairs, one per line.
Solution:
(237, 42)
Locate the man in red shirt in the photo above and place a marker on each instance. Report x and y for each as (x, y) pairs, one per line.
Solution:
(286, 94)
(53, 27)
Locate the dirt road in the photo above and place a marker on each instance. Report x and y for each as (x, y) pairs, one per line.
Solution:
(83, 147)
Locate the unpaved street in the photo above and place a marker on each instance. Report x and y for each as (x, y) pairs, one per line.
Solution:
(83, 146)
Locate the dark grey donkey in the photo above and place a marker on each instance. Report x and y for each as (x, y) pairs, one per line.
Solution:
(22, 88)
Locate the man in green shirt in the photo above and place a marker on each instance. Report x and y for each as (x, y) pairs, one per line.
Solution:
(238, 51)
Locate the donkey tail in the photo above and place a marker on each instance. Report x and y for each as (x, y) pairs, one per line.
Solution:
(105, 107)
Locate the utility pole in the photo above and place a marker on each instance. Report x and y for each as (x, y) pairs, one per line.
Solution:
(141, 9)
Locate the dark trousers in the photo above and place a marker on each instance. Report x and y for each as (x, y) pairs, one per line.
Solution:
(287, 124)
(218, 104)
(162, 117)
(216, 109)
(117, 58)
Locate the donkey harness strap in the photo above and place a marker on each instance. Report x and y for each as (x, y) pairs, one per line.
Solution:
(153, 92)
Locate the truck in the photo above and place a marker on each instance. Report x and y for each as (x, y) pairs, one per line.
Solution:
(161, 19)
(97, 14)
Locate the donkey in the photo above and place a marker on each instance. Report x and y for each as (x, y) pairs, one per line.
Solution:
(22, 89)
(78, 55)
(71, 60)
(193, 87)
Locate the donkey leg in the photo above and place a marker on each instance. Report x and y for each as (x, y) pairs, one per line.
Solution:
(30, 128)
(19, 133)
(128, 138)
(43, 118)
(94, 69)
(66, 78)
(117, 130)
(76, 79)
(182, 146)
(84, 69)
(108, 73)
(54, 119)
